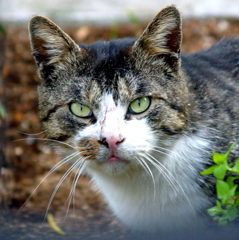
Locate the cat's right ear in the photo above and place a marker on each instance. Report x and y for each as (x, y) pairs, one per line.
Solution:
(161, 40)
(50, 44)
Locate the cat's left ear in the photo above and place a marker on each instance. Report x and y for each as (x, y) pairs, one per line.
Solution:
(51, 45)
(161, 39)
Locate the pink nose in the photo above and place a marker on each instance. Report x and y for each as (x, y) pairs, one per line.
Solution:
(111, 142)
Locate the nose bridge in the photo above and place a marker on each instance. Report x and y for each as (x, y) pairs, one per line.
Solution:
(111, 120)
(111, 124)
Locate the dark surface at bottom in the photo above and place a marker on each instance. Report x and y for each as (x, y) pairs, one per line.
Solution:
(30, 224)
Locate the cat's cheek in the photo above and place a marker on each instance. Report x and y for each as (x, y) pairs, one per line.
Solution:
(139, 138)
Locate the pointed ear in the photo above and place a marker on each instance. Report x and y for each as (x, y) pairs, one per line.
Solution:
(161, 39)
(50, 44)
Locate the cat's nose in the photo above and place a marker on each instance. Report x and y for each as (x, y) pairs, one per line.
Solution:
(111, 142)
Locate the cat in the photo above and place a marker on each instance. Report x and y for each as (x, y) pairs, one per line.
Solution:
(139, 117)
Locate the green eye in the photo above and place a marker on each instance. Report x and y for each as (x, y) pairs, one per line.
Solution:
(80, 110)
(139, 105)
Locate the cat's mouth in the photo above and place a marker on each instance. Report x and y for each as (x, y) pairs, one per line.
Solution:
(115, 159)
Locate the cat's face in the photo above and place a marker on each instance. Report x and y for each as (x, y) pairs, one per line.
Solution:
(112, 104)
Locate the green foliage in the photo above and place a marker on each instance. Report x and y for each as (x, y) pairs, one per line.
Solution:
(114, 31)
(132, 17)
(227, 202)
(3, 30)
(2, 111)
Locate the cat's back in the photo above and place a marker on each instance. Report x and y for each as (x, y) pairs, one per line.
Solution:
(220, 63)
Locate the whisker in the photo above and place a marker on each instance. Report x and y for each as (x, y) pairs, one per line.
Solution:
(147, 168)
(74, 165)
(159, 168)
(59, 164)
(155, 161)
(164, 149)
(31, 134)
(45, 139)
(156, 150)
(81, 167)
(172, 155)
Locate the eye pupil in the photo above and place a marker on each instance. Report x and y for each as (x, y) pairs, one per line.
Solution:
(139, 105)
(80, 110)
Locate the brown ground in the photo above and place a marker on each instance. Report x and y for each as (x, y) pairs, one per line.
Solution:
(28, 159)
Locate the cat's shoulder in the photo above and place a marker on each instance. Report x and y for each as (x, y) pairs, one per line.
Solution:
(225, 51)
(216, 62)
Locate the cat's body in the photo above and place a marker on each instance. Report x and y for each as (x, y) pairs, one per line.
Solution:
(139, 118)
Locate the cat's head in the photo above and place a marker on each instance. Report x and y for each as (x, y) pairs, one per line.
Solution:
(113, 103)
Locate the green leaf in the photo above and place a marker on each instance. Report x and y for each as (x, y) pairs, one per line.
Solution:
(236, 167)
(222, 189)
(232, 213)
(219, 158)
(223, 221)
(208, 171)
(236, 202)
(230, 164)
(229, 150)
(219, 205)
(214, 211)
(220, 171)
(232, 191)
(230, 181)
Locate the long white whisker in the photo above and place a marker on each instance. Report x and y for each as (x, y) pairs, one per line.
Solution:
(172, 155)
(45, 139)
(146, 167)
(163, 153)
(31, 134)
(59, 164)
(81, 167)
(158, 166)
(169, 178)
(164, 149)
(74, 165)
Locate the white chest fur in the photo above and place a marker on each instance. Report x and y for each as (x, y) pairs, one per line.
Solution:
(173, 199)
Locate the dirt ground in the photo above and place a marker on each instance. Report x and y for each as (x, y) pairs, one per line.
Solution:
(26, 157)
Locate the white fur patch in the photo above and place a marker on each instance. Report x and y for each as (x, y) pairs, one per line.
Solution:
(174, 201)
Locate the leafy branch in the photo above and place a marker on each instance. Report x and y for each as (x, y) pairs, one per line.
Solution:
(227, 201)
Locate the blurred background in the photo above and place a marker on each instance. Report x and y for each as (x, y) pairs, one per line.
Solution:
(24, 158)
(106, 11)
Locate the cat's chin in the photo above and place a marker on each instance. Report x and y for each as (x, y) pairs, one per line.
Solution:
(112, 166)
(115, 166)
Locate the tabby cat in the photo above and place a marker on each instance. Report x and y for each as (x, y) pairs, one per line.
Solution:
(140, 118)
